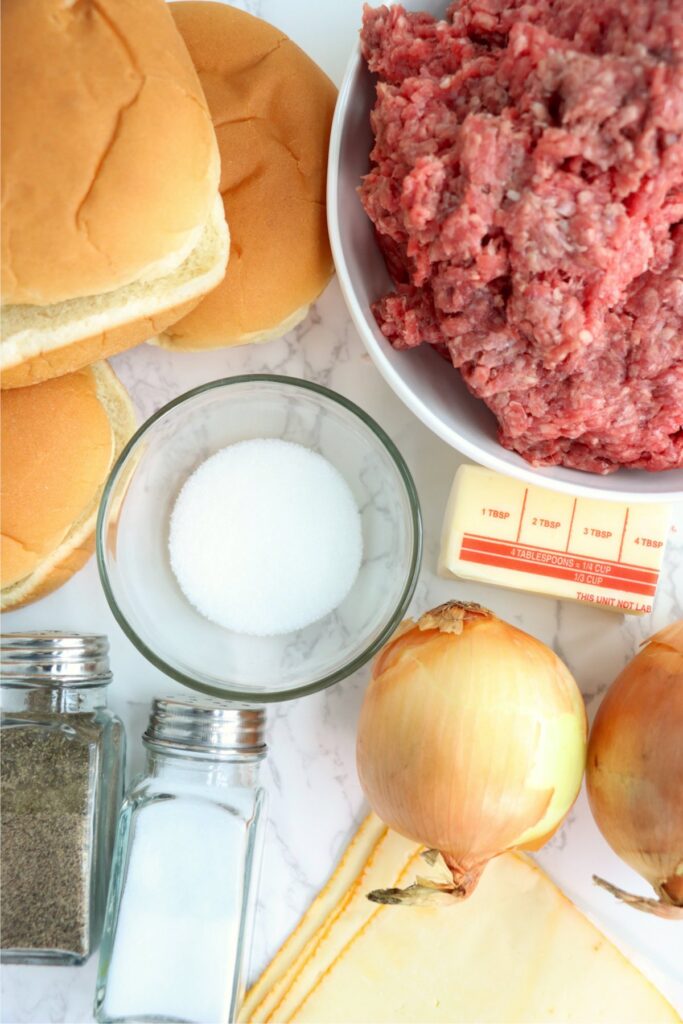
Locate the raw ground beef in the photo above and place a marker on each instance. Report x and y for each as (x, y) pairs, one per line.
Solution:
(527, 192)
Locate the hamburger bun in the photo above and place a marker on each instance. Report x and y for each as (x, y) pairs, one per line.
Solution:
(59, 441)
(111, 222)
(272, 110)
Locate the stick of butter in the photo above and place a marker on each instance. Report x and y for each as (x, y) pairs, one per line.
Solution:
(502, 531)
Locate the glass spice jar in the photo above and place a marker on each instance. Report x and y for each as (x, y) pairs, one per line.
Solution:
(61, 779)
(183, 884)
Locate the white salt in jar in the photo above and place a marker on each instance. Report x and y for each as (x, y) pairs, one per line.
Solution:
(182, 893)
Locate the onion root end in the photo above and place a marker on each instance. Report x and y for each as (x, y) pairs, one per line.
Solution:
(650, 906)
(453, 885)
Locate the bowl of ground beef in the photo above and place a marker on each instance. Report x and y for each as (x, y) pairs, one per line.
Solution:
(505, 202)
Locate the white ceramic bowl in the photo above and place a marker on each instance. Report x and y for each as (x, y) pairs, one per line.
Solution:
(420, 377)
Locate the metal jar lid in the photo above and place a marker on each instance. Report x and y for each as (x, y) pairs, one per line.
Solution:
(206, 726)
(54, 658)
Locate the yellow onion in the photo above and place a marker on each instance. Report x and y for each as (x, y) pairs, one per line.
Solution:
(634, 773)
(471, 741)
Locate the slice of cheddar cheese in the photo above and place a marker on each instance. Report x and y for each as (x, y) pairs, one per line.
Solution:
(516, 950)
(393, 858)
(272, 983)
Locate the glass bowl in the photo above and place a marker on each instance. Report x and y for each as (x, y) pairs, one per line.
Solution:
(133, 528)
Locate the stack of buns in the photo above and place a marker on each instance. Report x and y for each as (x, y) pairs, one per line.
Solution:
(112, 226)
(133, 133)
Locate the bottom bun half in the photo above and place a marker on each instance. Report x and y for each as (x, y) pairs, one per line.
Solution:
(42, 342)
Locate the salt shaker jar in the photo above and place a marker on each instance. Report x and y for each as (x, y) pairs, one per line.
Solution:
(183, 884)
(61, 785)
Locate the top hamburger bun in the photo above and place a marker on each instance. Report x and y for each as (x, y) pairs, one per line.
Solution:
(272, 110)
(59, 441)
(110, 173)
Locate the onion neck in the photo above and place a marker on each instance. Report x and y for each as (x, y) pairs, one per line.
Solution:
(452, 616)
(671, 637)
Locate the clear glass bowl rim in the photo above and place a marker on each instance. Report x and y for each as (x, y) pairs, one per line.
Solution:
(265, 697)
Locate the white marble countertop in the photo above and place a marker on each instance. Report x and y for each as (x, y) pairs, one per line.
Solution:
(315, 799)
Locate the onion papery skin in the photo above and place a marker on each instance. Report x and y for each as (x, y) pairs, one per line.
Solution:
(470, 742)
(634, 773)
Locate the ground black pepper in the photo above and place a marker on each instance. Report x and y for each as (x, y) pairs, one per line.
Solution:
(46, 825)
